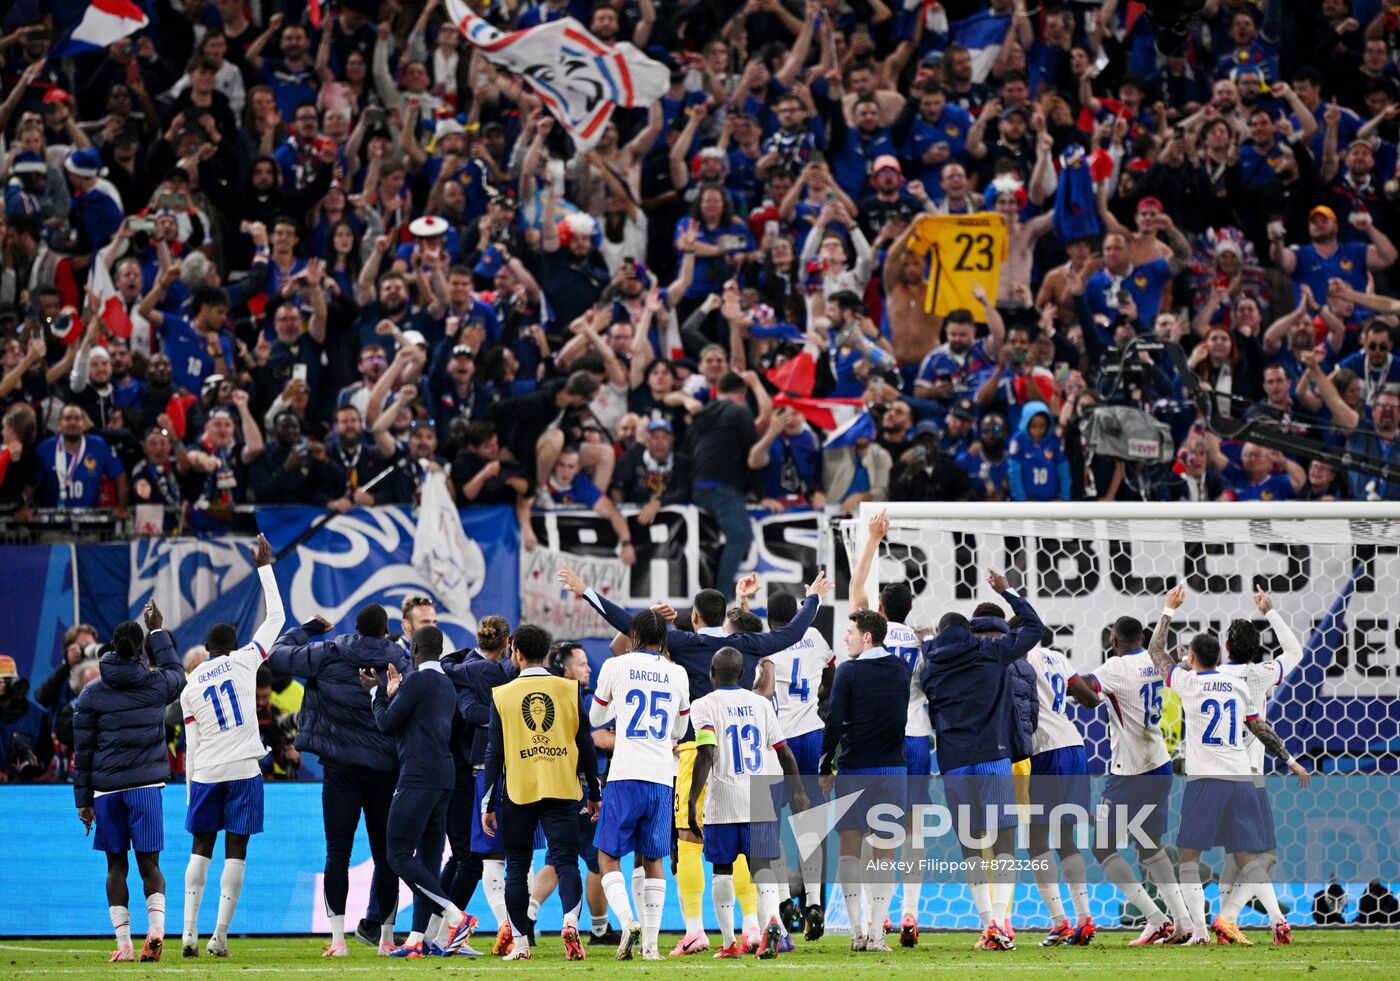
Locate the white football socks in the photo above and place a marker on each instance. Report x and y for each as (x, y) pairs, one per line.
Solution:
(722, 891)
(196, 872)
(230, 888)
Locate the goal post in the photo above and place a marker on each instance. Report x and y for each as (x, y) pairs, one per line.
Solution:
(1332, 570)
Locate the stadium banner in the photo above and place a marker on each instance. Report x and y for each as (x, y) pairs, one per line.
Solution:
(363, 556)
(1329, 857)
(37, 581)
(366, 556)
(676, 558)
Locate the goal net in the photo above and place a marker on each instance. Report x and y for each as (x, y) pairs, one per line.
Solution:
(1333, 573)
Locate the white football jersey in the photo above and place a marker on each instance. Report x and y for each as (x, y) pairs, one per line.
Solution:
(220, 703)
(904, 644)
(649, 695)
(1134, 690)
(1266, 675)
(1258, 679)
(746, 733)
(1214, 708)
(797, 677)
(1052, 674)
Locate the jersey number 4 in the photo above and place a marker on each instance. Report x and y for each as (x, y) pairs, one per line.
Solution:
(212, 694)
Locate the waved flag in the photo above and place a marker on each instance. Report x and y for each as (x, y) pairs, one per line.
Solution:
(86, 27)
(114, 314)
(442, 553)
(578, 77)
(829, 414)
(796, 375)
(982, 34)
(848, 433)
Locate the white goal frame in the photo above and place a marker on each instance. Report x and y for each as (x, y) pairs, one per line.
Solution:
(1008, 511)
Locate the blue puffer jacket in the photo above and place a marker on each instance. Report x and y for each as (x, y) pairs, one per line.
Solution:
(119, 722)
(1025, 702)
(336, 721)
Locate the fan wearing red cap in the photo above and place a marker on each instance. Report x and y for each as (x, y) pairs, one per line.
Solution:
(1143, 243)
(887, 212)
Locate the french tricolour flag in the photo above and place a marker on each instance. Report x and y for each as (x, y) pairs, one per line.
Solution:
(847, 420)
(98, 24)
(982, 35)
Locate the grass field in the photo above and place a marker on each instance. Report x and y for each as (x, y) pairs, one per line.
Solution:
(1351, 953)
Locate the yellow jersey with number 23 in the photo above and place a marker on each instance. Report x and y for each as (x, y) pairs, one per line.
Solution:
(962, 250)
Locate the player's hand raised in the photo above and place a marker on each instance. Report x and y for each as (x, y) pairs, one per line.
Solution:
(571, 581)
(821, 585)
(152, 615)
(1177, 596)
(1261, 599)
(368, 679)
(747, 587)
(391, 688)
(322, 625)
(880, 526)
(262, 552)
(997, 581)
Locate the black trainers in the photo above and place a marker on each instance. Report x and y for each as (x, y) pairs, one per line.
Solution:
(790, 914)
(367, 933)
(610, 939)
(816, 924)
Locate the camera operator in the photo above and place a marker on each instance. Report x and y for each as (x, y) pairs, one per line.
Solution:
(26, 744)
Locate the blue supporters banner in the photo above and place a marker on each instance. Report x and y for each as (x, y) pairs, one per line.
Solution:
(365, 556)
(38, 580)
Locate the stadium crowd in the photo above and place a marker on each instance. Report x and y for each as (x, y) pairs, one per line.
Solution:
(338, 250)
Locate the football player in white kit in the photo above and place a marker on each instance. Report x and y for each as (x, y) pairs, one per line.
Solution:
(896, 601)
(1246, 660)
(798, 679)
(1059, 775)
(649, 696)
(740, 742)
(1221, 805)
(222, 756)
(1139, 776)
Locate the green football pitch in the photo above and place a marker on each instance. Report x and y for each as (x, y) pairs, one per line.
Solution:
(1331, 953)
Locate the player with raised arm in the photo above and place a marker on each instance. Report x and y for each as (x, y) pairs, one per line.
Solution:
(965, 679)
(1246, 660)
(120, 765)
(650, 698)
(1221, 806)
(1059, 775)
(222, 758)
(864, 744)
(692, 651)
(1139, 776)
(798, 679)
(896, 600)
(739, 743)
